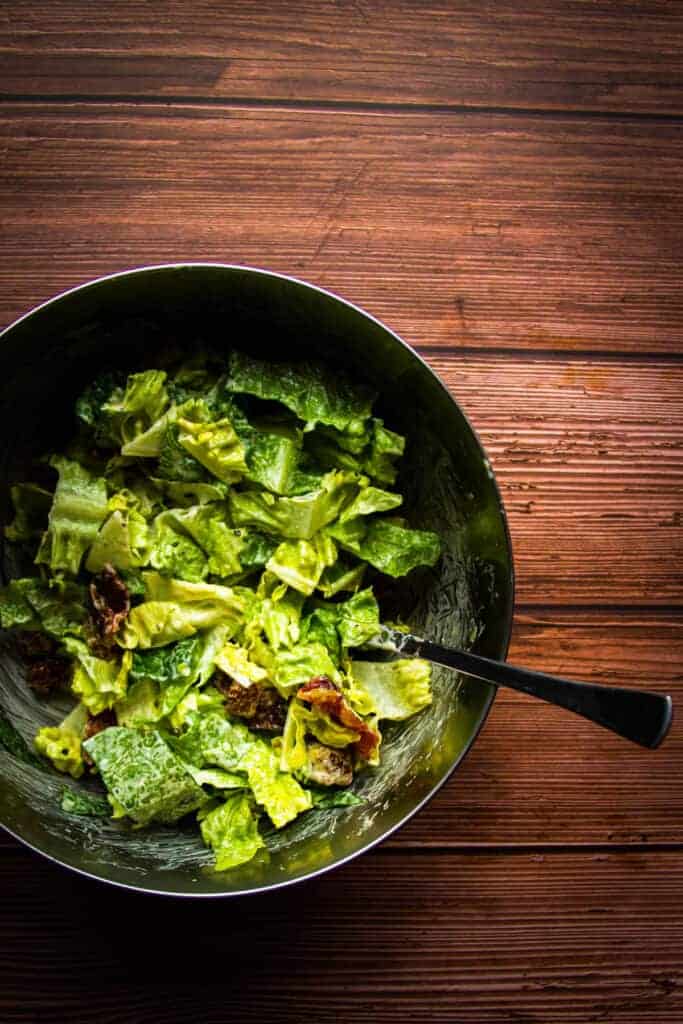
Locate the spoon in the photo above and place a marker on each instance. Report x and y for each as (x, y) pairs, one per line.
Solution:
(639, 715)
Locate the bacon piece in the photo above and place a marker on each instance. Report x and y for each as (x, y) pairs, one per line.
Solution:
(322, 692)
(110, 602)
(261, 706)
(47, 674)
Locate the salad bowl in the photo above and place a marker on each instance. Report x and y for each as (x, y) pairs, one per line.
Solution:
(127, 320)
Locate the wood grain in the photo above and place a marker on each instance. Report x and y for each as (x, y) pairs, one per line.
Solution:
(473, 231)
(479, 940)
(506, 53)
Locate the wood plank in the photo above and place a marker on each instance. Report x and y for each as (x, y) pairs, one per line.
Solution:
(472, 231)
(538, 775)
(479, 940)
(589, 456)
(507, 53)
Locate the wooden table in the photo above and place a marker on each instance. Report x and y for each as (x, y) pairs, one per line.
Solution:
(500, 181)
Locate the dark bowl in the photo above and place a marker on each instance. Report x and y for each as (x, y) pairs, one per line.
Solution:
(126, 319)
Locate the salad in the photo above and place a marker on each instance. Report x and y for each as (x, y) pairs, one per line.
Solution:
(206, 550)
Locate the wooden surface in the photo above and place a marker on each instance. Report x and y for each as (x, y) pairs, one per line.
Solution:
(501, 183)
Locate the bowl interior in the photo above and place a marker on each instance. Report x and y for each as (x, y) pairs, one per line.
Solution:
(126, 320)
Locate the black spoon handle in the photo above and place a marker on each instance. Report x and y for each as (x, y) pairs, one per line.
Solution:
(639, 715)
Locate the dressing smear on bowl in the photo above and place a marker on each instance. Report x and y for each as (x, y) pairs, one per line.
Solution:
(209, 554)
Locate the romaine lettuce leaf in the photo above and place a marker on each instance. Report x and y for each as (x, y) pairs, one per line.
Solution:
(300, 563)
(175, 668)
(78, 509)
(280, 618)
(271, 458)
(207, 526)
(218, 778)
(175, 463)
(185, 494)
(89, 407)
(74, 801)
(278, 792)
(122, 541)
(59, 608)
(173, 552)
(341, 576)
(293, 668)
(320, 626)
(31, 509)
(143, 775)
(385, 447)
(325, 799)
(231, 832)
(61, 744)
(133, 410)
(358, 618)
(235, 662)
(389, 547)
(369, 500)
(316, 393)
(396, 689)
(141, 705)
(176, 609)
(297, 518)
(216, 446)
(98, 683)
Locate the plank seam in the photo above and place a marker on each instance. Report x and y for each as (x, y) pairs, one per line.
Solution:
(544, 355)
(343, 106)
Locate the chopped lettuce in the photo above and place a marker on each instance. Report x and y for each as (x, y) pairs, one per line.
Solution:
(57, 607)
(31, 509)
(389, 547)
(132, 410)
(141, 705)
(122, 541)
(207, 526)
(394, 689)
(175, 668)
(297, 518)
(143, 775)
(74, 801)
(235, 662)
(61, 744)
(175, 463)
(173, 552)
(294, 667)
(231, 831)
(78, 508)
(216, 446)
(98, 683)
(176, 609)
(281, 796)
(358, 619)
(301, 563)
(314, 392)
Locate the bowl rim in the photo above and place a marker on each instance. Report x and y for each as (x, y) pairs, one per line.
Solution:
(286, 883)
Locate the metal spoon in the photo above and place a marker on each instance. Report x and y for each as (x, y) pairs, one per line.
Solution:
(639, 715)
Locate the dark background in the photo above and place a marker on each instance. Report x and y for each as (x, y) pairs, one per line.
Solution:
(501, 182)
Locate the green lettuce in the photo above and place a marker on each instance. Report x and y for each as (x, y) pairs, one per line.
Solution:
(173, 552)
(31, 509)
(174, 668)
(231, 831)
(358, 619)
(324, 799)
(235, 662)
(98, 683)
(393, 690)
(293, 668)
(297, 518)
(278, 792)
(175, 463)
(185, 494)
(122, 541)
(389, 547)
(73, 801)
(132, 410)
(176, 609)
(61, 744)
(280, 618)
(57, 607)
(141, 705)
(368, 501)
(271, 458)
(207, 526)
(316, 393)
(216, 446)
(301, 563)
(78, 509)
(385, 447)
(143, 775)
(339, 577)
(89, 407)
